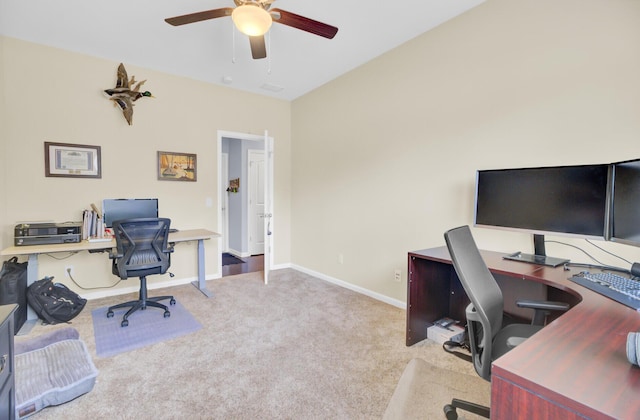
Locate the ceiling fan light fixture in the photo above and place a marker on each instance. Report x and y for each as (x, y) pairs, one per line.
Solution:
(251, 19)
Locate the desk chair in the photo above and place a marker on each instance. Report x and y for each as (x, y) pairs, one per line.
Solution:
(488, 337)
(142, 249)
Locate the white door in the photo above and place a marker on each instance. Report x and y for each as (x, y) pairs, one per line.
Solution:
(224, 202)
(256, 201)
(268, 205)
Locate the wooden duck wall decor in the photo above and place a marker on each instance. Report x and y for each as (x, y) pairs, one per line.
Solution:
(126, 93)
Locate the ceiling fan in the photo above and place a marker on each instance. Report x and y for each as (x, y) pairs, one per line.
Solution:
(254, 18)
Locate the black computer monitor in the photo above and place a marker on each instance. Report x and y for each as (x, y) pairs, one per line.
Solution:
(561, 200)
(625, 206)
(128, 208)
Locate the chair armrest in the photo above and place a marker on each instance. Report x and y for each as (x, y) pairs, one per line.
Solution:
(113, 254)
(543, 304)
(542, 308)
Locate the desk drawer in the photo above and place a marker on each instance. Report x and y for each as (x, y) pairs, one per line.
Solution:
(7, 401)
(7, 397)
(6, 351)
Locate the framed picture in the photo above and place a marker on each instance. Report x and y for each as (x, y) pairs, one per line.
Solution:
(72, 160)
(174, 166)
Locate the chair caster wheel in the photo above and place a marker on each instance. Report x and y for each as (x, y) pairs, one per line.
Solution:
(172, 301)
(450, 412)
(124, 323)
(110, 314)
(167, 314)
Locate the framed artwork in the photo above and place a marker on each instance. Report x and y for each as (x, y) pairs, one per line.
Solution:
(72, 160)
(234, 185)
(174, 166)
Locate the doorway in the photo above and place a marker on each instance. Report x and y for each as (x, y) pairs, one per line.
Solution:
(249, 264)
(241, 203)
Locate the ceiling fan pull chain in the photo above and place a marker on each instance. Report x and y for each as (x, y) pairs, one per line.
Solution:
(269, 52)
(233, 44)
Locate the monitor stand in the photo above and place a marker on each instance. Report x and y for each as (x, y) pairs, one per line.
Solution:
(540, 256)
(536, 259)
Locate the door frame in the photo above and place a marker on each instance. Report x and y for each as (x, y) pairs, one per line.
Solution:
(268, 144)
(224, 200)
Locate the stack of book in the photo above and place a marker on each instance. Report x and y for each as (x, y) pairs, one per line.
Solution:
(92, 225)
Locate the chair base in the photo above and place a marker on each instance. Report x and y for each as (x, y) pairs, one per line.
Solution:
(141, 304)
(451, 414)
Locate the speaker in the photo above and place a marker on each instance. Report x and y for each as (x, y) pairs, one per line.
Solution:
(633, 348)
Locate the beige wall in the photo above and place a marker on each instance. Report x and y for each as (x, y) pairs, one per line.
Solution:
(384, 158)
(49, 94)
(3, 142)
(370, 166)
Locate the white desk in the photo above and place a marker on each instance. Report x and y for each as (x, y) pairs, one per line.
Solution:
(32, 251)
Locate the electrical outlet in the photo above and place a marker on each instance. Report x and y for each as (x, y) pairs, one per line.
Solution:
(68, 271)
(397, 275)
(340, 259)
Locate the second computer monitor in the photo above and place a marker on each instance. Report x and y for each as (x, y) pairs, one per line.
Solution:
(128, 208)
(625, 211)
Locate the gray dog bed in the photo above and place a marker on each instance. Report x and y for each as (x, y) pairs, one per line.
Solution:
(50, 370)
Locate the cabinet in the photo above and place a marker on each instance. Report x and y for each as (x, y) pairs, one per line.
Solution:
(7, 381)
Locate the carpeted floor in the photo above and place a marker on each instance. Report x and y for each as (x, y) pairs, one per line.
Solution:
(297, 348)
(422, 378)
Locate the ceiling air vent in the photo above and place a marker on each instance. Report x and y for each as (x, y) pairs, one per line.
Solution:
(272, 87)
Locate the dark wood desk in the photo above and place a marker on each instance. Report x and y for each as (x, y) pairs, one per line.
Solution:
(575, 368)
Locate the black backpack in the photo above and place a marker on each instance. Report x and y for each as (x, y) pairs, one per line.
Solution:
(13, 289)
(54, 302)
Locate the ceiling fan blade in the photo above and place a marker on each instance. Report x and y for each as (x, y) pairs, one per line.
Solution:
(258, 48)
(303, 23)
(199, 16)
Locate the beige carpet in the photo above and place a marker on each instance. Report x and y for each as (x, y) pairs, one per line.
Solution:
(298, 348)
(422, 378)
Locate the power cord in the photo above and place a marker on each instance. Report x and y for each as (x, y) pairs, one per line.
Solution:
(90, 288)
(100, 287)
(599, 265)
(71, 254)
(576, 247)
(608, 252)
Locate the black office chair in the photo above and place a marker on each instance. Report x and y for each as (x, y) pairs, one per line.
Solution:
(488, 337)
(142, 249)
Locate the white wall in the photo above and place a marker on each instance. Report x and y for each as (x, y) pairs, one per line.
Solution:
(384, 158)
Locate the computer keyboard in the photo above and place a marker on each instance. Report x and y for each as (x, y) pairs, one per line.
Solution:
(614, 286)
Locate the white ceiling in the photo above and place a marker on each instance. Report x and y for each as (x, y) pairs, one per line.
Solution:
(134, 32)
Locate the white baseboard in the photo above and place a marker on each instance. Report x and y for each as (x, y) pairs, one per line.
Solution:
(395, 302)
(135, 285)
(281, 266)
(237, 254)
